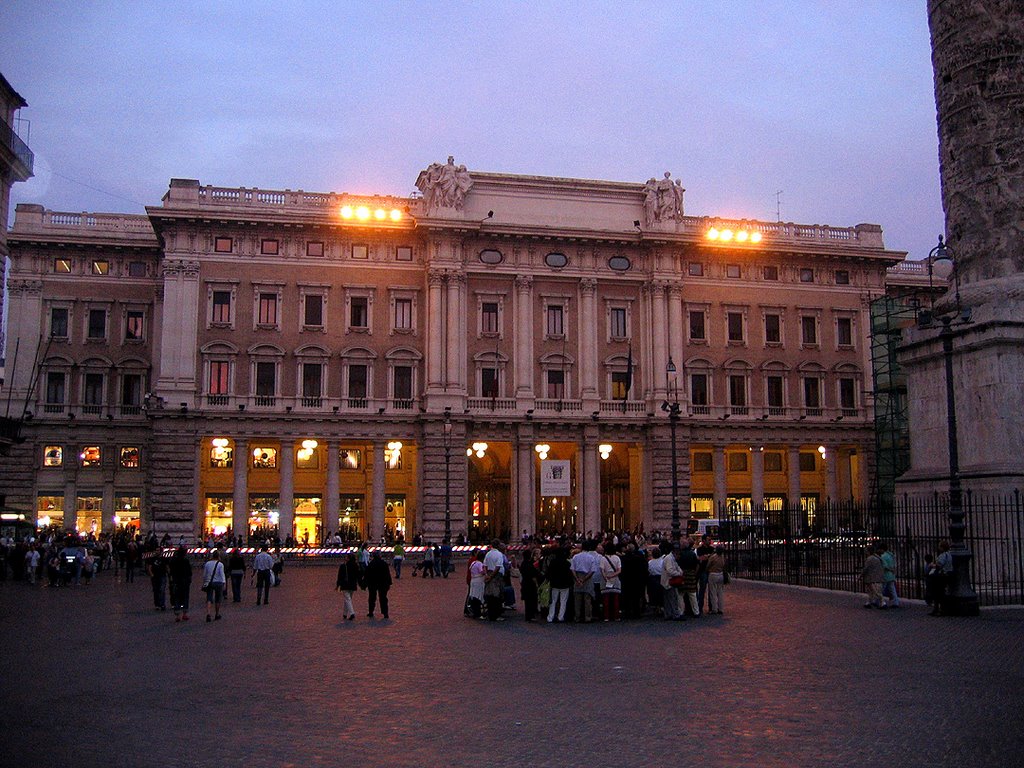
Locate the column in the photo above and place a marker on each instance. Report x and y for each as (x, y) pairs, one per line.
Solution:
(718, 462)
(179, 330)
(526, 483)
(108, 513)
(659, 358)
(591, 481)
(286, 499)
(589, 324)
(831, 475)
(376, 505)
(796, 515)
(757, 476)
(435, 330)
(332, 502)
(240, 491)
(70, 506)
(864, 474)
(522, 334)
(453, 333)
(675, 330)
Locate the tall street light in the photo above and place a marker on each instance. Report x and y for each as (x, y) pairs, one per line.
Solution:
(962, 600)
(672, 409)
(447, 473)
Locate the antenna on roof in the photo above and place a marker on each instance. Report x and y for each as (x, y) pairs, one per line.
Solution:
(778, 206)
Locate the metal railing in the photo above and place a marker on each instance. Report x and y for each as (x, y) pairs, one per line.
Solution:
(12, 141)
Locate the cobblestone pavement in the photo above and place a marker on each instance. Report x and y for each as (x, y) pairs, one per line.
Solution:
(93, 676)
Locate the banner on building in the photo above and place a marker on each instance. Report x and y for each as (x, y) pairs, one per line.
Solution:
(555, 479)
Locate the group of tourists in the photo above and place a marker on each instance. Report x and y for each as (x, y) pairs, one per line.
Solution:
(879, 574)
(609, 579)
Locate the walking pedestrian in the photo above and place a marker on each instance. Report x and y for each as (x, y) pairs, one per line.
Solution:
(214, 581)
(494, 580)
(262, 568)
(236, 567)
(158, 578)
(704, 551)
(32, 564)
(378, 582)
(446, 557)
(671, 582)
(715, 567)
(892, 600)
(475, 580)
(397, 559)
(873, 574)
(348, 583)
(427, 565)
(690, 564)
(180, 573)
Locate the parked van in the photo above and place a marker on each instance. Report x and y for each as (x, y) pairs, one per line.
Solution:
(697, 528)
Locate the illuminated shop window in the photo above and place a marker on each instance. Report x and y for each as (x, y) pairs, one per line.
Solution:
(350, 458)
(50, 511)
(307, 456)
(130, 457)
(90, 515)
(351, 522)
(53, 456)
(702, 506)
(264, 458)
(264, 515)
(220, 509)
(90, 456)
(394, 515)
(222, 454)
(306, 520)
(127, 511)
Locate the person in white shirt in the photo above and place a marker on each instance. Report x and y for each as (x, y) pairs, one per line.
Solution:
(262, 565)
(214, 580)
(494, 579)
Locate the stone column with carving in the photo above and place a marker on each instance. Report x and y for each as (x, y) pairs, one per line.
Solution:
(676, 328)
(240, 490)
(25, 331)
(332, 504)
(659, 340)
(523, 340)
(454, 330)
(435, 331)
(183, 305)
(526, 481)
(376, 522)
(591, 502)
(286, 498)
(589, 325)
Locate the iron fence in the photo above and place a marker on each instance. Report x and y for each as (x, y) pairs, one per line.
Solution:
(825, 547)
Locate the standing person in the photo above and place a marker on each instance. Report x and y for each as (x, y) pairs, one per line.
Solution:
(945, 575)
(397, 559)
(31, 563)
(278, 567)
(704, 551)
(671, 581)
(932, 583)
(634, 579)
(655, 592)
(158, 578)
(214, 581)
(236, 567)
(561, 578)
(131, 555)
(437, 560)
(888, 576)
(611, 570)
(715, 567)
(180, 573)
(475, 577)
(262, 567)
(583, 584)
(494, 580)
(873, 574)
(446, 557)
(364, 557)
(348, 583)
(690, 564)
(378, 582)
(427, 565)
(529, 574)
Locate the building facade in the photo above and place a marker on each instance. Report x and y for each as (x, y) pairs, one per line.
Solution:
(497, 354)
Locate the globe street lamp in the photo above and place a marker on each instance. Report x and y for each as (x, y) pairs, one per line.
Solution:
(962, 600)
(672, 409)
(447, 473)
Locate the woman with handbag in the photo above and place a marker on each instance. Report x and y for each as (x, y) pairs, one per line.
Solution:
(715, 565)
(611, 569)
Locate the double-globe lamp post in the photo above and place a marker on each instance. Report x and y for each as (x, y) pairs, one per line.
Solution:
(961, 599)
(672, 409)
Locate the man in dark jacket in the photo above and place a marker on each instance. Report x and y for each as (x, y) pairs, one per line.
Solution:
(378, 582)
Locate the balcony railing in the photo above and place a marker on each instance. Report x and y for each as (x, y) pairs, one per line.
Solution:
(12, 141)
(559, 406)
(491, 403)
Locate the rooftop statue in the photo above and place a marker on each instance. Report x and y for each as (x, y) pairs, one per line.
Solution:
(663, 200)
(444, 186)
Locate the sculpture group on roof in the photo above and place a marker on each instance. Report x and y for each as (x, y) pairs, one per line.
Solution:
(663, 200)
(444, 186)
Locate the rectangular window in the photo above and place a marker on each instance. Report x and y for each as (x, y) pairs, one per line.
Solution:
(90, 456)
(134, 325)
(618, 321)
(735, 320)
(403, 382)
(93, 389)
(359, 312)
(53, 456)
(137, 269)
(59, 322)
(357, 382)
(223, 244)
(131, 389)
(267, 309)
(806, 275)
(776, 396)
(556, 385)
(699, 389)
(732, 271)
(738, 391)
(812, 393)
(221, 310)
(403, 314)
(703, 461)
(220, 377)
(844, 331)
(842, 277)
(736, 462)
(315, 248)
(269, 247)
(695, 269)
(808, 461)
(55, 388)
(489, 317)
(350, 458)
(266, 379)
(619, 385)
(62, 266)
(773, 329)
(312, 380)
(101, 267)
(403, 253)
(488, 382)
(697, 332)
(809, 330)
(264, 458)
(772, 461)
(770, 273)
(97, 324)
(360, 251)
(847, 394)
(555, 321)
(130, 457)
(313, 311)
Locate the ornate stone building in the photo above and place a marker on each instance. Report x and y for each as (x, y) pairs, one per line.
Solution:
(502, 350)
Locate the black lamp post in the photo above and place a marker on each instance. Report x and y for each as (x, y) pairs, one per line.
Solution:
(447, 473)
(962, 600)
(672, 409)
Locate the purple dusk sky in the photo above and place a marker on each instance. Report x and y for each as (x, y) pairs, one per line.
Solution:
(829, 102)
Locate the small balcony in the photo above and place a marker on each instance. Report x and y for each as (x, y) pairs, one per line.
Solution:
(21, 159)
